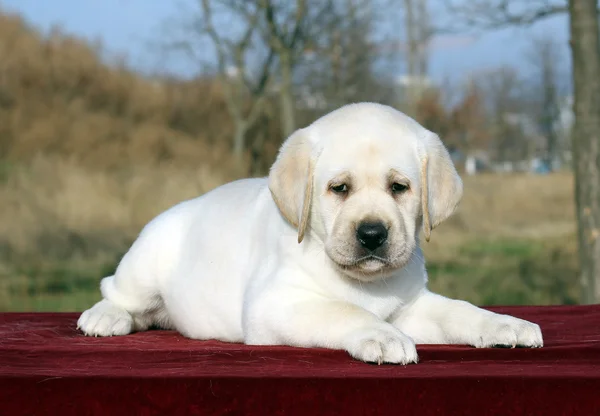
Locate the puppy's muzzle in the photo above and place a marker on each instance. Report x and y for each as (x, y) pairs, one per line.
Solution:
(371, 235)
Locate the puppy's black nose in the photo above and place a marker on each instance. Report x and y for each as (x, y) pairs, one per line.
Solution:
(371, 235)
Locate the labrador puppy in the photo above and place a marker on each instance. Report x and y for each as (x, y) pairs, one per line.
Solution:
(322, 253)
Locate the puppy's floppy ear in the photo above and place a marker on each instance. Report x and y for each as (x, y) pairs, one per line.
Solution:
(441, 186)
(291, 180)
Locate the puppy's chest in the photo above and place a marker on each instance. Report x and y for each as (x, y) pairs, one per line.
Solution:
(381, 305)
(383, 298)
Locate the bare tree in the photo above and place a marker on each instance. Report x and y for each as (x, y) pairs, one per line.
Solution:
(544, 56)
(258, 46)
(495, 14)
(502, 89)
(289, 28)
(468, 124)
(350, 53)
(342, 65)
(410, 23)
(424, 33)
(244, 85)
(418, 34)
(585, 50)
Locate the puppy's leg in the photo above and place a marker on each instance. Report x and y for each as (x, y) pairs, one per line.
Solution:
(434, 319)
(131, 300)
(329, 324)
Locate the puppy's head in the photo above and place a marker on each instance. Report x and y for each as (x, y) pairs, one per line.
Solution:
(364, 179)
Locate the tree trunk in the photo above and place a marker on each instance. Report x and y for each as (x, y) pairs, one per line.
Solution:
(411, 57)
(257, 157)
(585, 51)
(286, 94)
(549, 110)
(239, 139)
(423, 30)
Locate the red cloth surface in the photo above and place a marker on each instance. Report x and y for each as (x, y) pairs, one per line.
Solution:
(48, 367)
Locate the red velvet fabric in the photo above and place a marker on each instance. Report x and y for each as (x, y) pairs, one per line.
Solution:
(48, 367)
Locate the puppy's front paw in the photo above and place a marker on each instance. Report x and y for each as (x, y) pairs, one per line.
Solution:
(504, 330)
(382, 345)
(105, 319)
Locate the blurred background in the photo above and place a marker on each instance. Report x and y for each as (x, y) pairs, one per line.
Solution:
(112, 111)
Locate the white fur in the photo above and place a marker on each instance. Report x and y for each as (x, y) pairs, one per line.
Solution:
(228, 265)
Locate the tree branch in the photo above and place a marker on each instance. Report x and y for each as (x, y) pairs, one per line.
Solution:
(212, 33)
(498, 14)
(273, 35)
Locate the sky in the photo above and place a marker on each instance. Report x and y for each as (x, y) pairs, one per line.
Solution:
(129, 27)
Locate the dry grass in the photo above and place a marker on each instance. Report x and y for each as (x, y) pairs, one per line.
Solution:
(512, 241)
(58, 98)
(63, 227)
(89, 153)
(507, 207)
(53, 194)
(60, 218)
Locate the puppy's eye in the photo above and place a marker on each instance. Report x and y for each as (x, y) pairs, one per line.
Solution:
(340, 189)
(398, 188)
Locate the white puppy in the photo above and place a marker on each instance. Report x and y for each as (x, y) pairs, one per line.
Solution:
(323, 253)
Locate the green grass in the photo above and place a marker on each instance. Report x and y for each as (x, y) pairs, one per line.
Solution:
(485, 272)
(509, 272)
(53, 286)
(47, 302)
(5, 170)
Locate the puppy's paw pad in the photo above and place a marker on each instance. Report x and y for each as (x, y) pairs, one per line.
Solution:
(507, 331)
(382, 345)
(105, 319)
